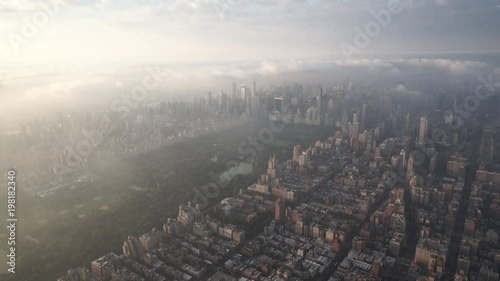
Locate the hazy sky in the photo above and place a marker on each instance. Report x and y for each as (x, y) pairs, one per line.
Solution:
(67, 54)
(196, 30)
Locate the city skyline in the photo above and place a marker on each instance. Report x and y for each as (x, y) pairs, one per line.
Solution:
(58, 53)
(238, 140)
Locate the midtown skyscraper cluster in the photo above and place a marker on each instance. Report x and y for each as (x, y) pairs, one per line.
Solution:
(390, 195)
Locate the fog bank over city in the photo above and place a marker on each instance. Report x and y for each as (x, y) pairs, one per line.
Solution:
(81, 54)
(38, 91)
(210, 140)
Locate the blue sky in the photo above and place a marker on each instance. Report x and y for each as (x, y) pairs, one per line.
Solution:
(211, 30)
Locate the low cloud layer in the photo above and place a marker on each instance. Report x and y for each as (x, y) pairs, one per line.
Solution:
(38, 91)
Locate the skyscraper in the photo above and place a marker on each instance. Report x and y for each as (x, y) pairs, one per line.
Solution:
(279, 209)
(271, 167)
(222, 101)
(278, 104)
(355, 130)
(424, 122)
(297, 151)
(409, 168)
(407, 120)
(364, 112)
(254, 105)
(487, 147)
(234, 93)
(321, 105)
(243, 92)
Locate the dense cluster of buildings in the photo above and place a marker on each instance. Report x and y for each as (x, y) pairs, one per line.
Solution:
(314, 225)
(50, 148)
(479, 249)
(383, 198)
(65, 146)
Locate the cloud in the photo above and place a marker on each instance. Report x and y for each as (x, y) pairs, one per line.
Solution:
(107, 3)
(24, 6)
(140, 15)
(204, 9)
(401, 90)
(413, 66)
(443, 2)
(33, 91)
(454, 67)
(157, 30)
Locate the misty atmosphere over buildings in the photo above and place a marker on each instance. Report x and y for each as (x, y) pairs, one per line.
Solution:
(242, 140)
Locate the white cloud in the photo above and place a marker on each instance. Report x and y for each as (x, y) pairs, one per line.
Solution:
(139, 15)
(197, 30)
(455, 67)
(34, 90)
